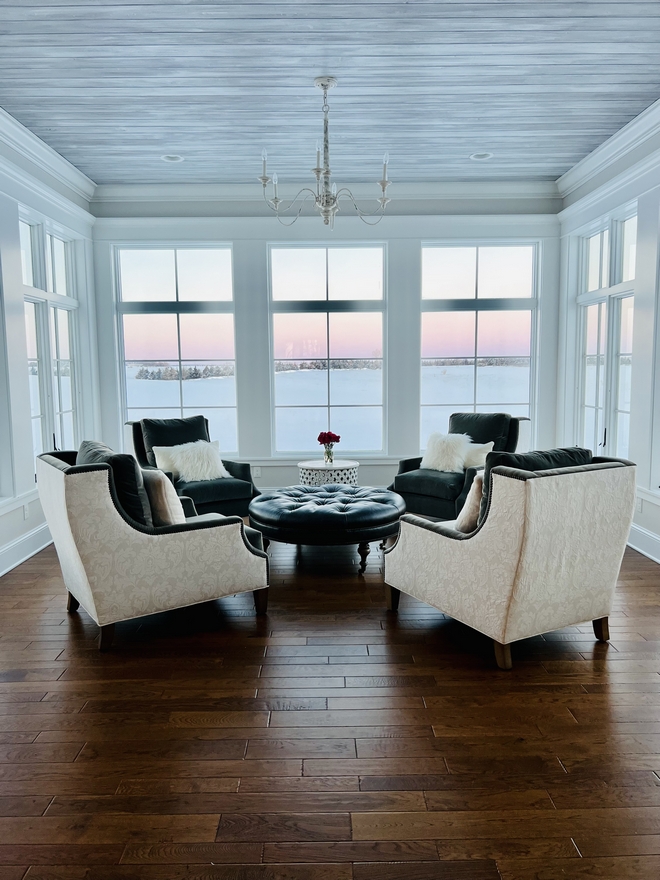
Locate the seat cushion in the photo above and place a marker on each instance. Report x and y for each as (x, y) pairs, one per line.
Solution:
(172, 432)
(437, 484)
(209, 491)
(482, 427)
(127, 477)
(540, 460)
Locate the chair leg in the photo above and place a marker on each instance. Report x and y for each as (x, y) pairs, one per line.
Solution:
(602, 629)
(502, 655)
(72, 604)
(261, 600)
(392, 596)
(106, 637)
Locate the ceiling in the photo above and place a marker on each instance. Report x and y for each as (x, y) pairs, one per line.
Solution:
(113, 86)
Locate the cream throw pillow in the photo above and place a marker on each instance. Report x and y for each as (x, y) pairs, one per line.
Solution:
(476, 454)
(166, 507)
(192, 461)
(469, 515)
(446, 452)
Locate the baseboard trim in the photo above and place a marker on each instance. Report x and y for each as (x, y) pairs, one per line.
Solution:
(645, 542)
(23, 548)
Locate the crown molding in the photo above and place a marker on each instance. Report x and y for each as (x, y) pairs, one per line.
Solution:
(30, 147)
(17, 181)
(247, 192)
(632, 136)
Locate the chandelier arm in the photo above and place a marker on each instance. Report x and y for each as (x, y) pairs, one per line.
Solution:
(276, 207)
(380, 212)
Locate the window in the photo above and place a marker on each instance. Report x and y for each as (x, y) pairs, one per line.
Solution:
(327, 337)
(35, 373)
(63, 379)
(607, 312)
(477, 307)
(176, 307)
(56, 265)
(27, 257)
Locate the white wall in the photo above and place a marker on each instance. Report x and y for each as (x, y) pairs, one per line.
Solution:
(403, 238)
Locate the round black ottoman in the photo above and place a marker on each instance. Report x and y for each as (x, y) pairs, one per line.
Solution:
(333, 514)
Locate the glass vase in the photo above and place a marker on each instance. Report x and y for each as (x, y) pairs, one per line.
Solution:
(328, 453)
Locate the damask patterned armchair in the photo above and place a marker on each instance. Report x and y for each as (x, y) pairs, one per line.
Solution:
(545, 555)
(118, 568)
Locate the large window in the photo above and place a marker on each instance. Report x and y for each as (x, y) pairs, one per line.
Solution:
(477, 308)
(606, 302)
(176, 306)
(327, 337)
(50, 311)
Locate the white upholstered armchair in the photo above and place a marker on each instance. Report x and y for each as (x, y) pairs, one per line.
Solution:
(546, 555)
(118, 569)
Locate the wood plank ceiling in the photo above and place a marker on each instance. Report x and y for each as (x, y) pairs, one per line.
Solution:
(113, 86)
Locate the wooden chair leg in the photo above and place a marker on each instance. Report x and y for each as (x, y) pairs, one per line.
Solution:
(502, 655)
(72, 604)
(392, 596)
(261, 600)
(106, 637)
(602, 629)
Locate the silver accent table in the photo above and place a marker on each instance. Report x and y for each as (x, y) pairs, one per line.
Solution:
(318, 473)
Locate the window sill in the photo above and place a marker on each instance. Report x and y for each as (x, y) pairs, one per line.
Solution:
(9, 504)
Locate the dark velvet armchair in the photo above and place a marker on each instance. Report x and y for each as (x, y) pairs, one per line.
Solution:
(441, 494)
(229, 496)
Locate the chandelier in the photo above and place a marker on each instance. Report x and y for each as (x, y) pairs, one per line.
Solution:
(326, 196)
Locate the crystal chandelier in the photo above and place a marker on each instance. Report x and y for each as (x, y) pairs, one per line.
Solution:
(326, 196)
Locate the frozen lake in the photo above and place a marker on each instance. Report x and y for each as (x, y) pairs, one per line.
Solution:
(354, 396)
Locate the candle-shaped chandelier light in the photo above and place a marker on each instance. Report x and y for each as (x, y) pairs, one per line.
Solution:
(326, 196)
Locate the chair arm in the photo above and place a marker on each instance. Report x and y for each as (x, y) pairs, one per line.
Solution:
(188, 505)
(409, 464)
(470, 474)
(208, 521)
(440, 528)
(240, 470)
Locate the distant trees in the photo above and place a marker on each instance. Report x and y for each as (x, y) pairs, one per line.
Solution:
(168, 372)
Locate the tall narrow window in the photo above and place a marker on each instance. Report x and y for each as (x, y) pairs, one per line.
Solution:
(595, 330)
(56, 265)
(606, 305)
(327, 306)
(624, 376)
(476, 355)
(178, 334)
(63, 379)
(35, 375)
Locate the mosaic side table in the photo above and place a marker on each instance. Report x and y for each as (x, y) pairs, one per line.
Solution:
(318, 473)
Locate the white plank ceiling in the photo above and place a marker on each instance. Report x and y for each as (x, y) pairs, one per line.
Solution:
(113, 85)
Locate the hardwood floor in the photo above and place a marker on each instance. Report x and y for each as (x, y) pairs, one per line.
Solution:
(331, 739)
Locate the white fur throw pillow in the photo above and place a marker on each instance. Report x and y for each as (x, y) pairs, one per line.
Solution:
(192, 461)
(469, 515)
(166, 507)
(446, 452)
(476, 454)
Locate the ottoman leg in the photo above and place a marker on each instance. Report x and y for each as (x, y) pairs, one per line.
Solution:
(363, 550)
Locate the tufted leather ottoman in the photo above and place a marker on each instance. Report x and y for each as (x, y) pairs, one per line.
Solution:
(333, 514)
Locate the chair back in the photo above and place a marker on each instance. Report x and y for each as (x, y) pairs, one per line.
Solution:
(500, 428)
(139, 447)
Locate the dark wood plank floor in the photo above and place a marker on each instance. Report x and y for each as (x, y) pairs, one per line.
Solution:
(330, 740)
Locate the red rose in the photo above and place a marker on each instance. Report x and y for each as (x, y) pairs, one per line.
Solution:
(326, 437)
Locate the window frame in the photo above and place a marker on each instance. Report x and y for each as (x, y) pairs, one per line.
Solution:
(328, 307)
(485, 304)
(40, 230)
(612, 296)
(176, 307)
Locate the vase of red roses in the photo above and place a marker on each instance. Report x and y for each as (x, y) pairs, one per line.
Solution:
(327, 440)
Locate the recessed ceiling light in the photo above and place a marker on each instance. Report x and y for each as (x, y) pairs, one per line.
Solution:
(481, 157)
(172, 158)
